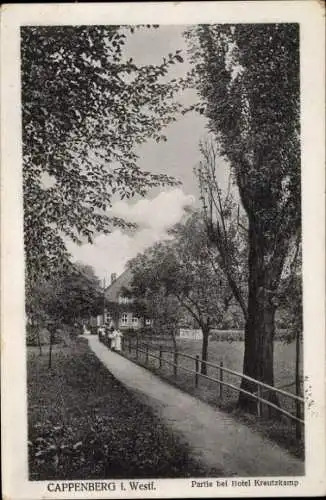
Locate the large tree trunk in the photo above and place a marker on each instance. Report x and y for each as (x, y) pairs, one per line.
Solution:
(204, 354)
(264, 275)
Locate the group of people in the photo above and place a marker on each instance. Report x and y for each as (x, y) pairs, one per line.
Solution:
(112, 335)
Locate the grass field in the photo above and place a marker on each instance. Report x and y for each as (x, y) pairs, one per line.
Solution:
(231, 353)
(281, 430)
(82, 423)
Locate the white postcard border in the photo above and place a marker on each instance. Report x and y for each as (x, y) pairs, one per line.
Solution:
(310, 15)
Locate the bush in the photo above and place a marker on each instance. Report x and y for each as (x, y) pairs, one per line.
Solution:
(233, 319)
(130, 332)
(39, 333)
(226, 335)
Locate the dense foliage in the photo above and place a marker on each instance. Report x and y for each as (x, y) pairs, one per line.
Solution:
(67, 298)
(85, 109)
(182, 270)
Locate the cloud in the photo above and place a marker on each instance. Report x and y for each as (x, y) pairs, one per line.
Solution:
(160, 213)
(110, 253)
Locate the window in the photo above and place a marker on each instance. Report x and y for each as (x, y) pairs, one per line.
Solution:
(107, 317)
(123, 300)
(148, 322)
(124, 319)
(134, 320)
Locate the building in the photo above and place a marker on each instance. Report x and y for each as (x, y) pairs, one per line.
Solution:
(119, 306)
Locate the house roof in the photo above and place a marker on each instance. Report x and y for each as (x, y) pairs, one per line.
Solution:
(113, 291)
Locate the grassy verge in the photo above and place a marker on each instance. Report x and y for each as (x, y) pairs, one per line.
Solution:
(84, 424)
(280, 430)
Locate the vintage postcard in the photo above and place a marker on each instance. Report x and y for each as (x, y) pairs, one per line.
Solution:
(163, 250)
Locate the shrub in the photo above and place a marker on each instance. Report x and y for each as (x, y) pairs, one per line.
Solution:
(129, 332)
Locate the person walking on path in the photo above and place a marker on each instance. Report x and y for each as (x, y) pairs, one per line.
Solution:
(116, 340)
(109, 336)
(86, 330)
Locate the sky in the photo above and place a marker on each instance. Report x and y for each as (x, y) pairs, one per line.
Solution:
(162, 208)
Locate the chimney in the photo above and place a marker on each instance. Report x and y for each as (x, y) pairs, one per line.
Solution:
(113, 277)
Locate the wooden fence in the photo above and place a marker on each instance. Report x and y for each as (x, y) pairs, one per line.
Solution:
(194, 368)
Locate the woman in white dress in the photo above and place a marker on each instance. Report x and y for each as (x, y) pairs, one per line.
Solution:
(116, 340)
(119, 340)
(86, 331)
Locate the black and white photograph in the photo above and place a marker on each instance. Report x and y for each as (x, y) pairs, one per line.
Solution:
(164, 321)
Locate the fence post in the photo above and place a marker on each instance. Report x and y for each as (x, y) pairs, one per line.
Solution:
(160, 359)
(137, 346)
(175, 361)
(146, 354)
(197, 370)
(221, 380)
(129, 345)
(259, 405)
(298, 429)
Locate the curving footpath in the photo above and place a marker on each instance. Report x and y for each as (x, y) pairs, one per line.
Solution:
(216, 439)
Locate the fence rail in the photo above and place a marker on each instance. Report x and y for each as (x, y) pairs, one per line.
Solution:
(258, 395)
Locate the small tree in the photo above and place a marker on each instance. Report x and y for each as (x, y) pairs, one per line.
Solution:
(150, 295)
(225, 224)
(182, 266)
(69, 297)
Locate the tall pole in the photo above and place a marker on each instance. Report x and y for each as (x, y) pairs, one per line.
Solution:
(297, 383)
(103, 301)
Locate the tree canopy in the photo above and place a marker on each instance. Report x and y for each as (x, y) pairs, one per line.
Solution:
(85, 109)
(249, 83)
(70, 296)
(184, 268)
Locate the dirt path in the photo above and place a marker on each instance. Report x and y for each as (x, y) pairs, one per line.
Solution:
(215, 438)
